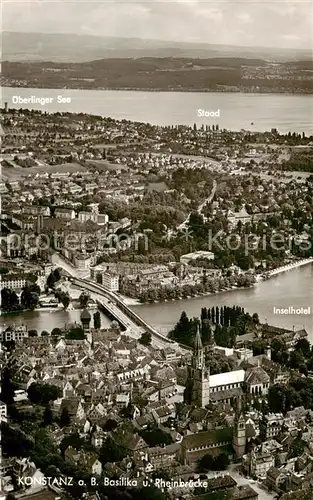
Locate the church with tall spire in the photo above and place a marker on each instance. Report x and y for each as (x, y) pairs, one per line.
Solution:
(198, 384)
(203, 388)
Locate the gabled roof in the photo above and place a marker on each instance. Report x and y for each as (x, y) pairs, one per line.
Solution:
(213, 436)
(128, 440)
(164, 450)
(257, 376)
(71, 405)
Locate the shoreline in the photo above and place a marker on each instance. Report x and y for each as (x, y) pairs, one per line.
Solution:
(136, 302)
(130, 301)
(259, 277)
(177, 90)
(289, 267)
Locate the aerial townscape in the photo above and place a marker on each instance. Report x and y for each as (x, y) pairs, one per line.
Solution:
(156, 250)
(99, 215)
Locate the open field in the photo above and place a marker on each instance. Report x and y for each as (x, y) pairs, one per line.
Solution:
(102, 165)
(14, 173)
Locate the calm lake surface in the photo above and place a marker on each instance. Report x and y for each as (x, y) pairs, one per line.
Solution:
(286, 112)
(45, 320)
(291, 288)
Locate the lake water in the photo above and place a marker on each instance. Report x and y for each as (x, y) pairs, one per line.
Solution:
(286, 112)
(291, 288)
(45, 320)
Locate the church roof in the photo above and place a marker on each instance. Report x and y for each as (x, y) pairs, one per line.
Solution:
(207, 438)
(227, 378)
(198, 342)
(242, 213)
(257, 376)
(228, 394)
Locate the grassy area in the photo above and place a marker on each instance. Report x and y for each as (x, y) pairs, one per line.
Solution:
(103, 165)
(19, 172)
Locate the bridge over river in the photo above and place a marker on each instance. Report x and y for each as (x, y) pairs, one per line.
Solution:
(117, 308)
(134, 324)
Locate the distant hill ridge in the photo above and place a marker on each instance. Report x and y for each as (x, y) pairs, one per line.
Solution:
(17, 46)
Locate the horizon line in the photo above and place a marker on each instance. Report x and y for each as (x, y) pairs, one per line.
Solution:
(265, 47)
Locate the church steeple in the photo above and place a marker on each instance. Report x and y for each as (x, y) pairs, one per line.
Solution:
(198, 341)
(240, 436)
(198, 354)
(198, 384)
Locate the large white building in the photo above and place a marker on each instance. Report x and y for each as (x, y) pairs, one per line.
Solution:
(65, 213)
(82, 261)
(12, 283)
(257, 380)
(110, 281)
(16, 334)
(85, 216)
(185, 259)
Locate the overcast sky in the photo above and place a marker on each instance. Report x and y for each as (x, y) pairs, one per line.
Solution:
(276, 23)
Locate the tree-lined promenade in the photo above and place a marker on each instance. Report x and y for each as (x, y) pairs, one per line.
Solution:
(207, 287)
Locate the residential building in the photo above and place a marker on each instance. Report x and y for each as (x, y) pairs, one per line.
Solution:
(276, 479)
(243, 492)
(110, 281)
(90, 188)
(37, 210)
(195, 446)
(3, 188)
(201, 254)
(74, 407)
(274, 424)
(12, 282)
(65, 213)
(85, 216)
(82, 261)
(129, 441)
(261, 462)
(102, 219)
(122, 400)
(17, 334)
(235, 217)
(163, 456)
